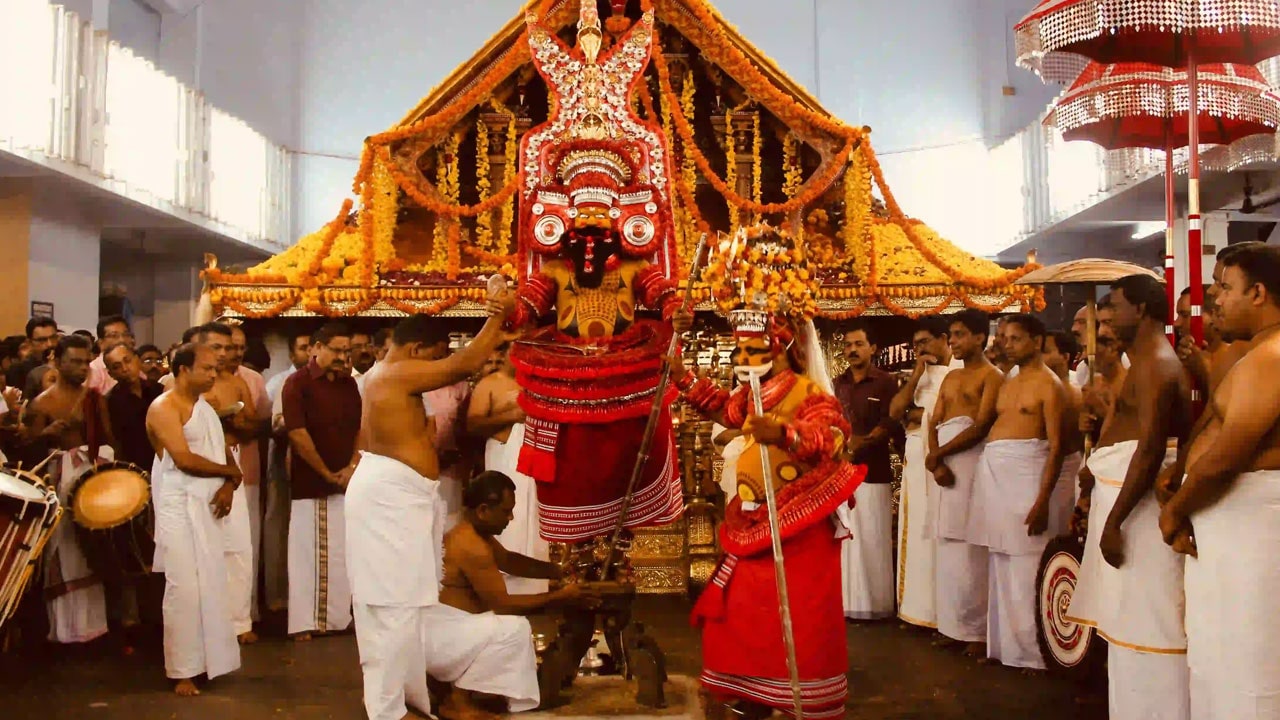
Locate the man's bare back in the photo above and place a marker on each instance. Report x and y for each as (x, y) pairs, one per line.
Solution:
(1020, 408)
(396, 422)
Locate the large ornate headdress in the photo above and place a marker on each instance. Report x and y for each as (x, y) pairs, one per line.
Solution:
(594, 150)
(761, 281)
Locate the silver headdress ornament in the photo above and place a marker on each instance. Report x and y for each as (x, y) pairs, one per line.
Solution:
(752, 319)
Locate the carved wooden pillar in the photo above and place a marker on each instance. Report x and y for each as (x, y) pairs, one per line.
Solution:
(740, 123)
(496, 123)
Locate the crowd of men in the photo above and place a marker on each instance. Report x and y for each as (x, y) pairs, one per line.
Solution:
(312, 488)
(249, 487)
(1179, 496)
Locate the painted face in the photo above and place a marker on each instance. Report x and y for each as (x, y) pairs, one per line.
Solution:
(753, 356)
(593, 216)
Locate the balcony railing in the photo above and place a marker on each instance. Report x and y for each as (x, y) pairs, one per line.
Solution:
(69, 95)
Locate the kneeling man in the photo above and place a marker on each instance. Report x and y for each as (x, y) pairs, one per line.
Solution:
(475, 639)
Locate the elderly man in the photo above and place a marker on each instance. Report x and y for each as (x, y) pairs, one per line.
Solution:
(195, 485)
(112, 330)
(322, 417)
(478, 642)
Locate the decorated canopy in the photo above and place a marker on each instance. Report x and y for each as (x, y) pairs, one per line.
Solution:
(436, 209)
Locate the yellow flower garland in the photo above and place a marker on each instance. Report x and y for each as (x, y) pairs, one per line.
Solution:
(756, 169)
(730, 164)
(484, 221)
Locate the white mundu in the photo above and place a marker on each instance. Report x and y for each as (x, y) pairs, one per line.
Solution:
(190, 551)
(395, 534)
(916, 553)
(319, 592)
(1137, 607)
(484, 653)
(521, 535)
(1004, 490)
(866, 558)
(1231, 587)
(238, 532)
(76, 602)
(962, 567)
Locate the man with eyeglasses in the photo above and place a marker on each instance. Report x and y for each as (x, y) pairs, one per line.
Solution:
(322, 412)
(153, 365)
(42, 335)
(112, 330)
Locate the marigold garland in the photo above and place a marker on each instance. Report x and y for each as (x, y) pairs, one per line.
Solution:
(484, 221)
(793, 172)
(757, 144)
(688, 170)
(409, 308)
(814, 187)
(730, 164)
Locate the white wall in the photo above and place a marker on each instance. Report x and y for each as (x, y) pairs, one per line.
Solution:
(64, 257)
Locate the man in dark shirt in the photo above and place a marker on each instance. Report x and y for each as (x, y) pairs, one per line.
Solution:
(42, 333)
(127, 405)
(865, 391)
(322, 417)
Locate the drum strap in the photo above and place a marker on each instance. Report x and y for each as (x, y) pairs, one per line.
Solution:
(92, 418)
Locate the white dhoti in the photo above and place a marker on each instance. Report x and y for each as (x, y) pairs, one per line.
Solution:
(484, 653)
(1139, 607)
(521, 535)
(238, 535)
(319, 594)
(916, 555)
(961, 569)
(1005, 488)
(1231, 588)
(395, 534)
(75, 599)
(190, 550)
(866, 559)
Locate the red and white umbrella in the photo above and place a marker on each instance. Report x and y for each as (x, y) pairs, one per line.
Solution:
(1055, 38)
(1136, 105)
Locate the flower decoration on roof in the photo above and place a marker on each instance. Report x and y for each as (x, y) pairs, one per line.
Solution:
(762, 260)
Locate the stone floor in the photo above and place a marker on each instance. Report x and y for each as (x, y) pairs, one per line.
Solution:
(895, 674)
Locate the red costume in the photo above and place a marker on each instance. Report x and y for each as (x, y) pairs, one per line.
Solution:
(743, 651)
(596, 242)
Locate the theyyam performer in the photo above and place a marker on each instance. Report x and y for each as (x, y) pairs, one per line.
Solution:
(803, 430)
(596, 244)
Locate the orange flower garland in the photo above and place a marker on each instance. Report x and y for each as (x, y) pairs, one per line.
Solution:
(409, 308)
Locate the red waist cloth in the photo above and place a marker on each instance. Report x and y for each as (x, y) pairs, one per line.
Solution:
(743, 654)
(586, 409)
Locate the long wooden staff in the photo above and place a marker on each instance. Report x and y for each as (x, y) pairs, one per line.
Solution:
(775, 529)
(655, 411)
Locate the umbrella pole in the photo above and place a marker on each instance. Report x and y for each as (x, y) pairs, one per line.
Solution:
(1169, 288)
(1194, 252)
(1091, 351)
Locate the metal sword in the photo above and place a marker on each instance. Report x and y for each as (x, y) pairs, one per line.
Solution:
(775, 530)
(655, 411)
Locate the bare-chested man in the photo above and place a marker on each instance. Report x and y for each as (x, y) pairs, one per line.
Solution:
(71, 418)
(965, 411)
(394, 513)
(1099, 394)
(1232, 497)
(474, 599)
(495, 414)
(238, 425)
(195, 488)
(1018, 503)
(1130, 586)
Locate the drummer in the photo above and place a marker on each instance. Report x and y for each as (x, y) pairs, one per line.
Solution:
(72, 418)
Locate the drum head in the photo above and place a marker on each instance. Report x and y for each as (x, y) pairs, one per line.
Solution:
(16, 487)
(109, 497)
(1067, 646)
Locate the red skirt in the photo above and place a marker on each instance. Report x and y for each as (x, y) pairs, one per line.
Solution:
(743, 654)
(587, 407)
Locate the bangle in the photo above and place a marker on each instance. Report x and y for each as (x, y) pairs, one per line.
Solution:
(792, 439)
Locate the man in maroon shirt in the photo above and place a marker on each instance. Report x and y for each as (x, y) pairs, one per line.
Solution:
(865, 392)
(322, 416)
